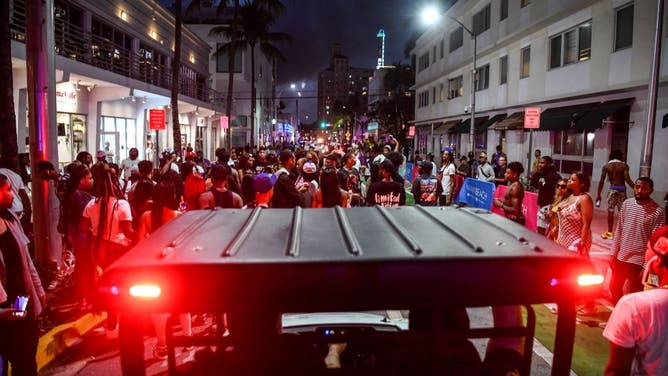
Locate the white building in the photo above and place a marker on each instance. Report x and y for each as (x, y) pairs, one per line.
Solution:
(585, 64)
(242, 97)
(113, 64)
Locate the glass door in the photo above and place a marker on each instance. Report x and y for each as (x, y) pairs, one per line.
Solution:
(109, 143)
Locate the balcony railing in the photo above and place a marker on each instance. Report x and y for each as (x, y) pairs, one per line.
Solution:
(72, 42)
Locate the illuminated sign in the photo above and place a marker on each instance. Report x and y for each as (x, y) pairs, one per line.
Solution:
(224, 122)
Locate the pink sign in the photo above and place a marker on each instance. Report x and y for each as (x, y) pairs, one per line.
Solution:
(532, 117)
(224, 123)
(529, 206)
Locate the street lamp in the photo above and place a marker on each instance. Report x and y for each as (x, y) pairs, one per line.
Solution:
(432, 15)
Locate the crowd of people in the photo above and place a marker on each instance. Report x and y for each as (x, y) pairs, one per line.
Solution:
(106, 208)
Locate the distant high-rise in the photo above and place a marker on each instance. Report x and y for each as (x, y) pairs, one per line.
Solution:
(381, 48)
(342, 85)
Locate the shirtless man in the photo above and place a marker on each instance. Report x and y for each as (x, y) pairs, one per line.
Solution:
(618, 174)
(512, 201)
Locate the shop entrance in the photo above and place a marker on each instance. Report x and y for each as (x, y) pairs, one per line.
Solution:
(71, 136)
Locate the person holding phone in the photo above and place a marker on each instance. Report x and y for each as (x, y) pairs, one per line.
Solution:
(18, 280)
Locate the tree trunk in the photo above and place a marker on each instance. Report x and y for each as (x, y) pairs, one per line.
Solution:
(230, 66)
(8, 143)
(176, 68)
(252, 118)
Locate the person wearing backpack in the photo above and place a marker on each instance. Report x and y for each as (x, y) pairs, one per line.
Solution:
(426, 187)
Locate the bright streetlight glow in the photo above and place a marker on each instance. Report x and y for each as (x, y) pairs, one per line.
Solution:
(293, 86)
(430, 15)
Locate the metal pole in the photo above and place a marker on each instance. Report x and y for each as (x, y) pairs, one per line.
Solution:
(646, 163)
(473, 87)
(40, 63)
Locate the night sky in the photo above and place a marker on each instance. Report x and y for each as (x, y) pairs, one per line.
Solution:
(316, 24)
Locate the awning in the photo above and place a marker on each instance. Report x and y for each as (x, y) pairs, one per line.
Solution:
(561, 118)
(594, 118)
(514, 121)
(465, 127)
(483, 127)
(444, 127)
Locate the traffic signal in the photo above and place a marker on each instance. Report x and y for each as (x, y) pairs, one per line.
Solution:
(322, 124)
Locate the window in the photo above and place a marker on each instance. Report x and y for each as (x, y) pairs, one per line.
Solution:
(503, 70)
(456, 39)
(624, 27)
(442, 48)
(223, 61)
(433, 95)
(481, 20)
(525, 62)
(433, 55)
(524, 3)
(455, 87)
(503, 13)
(573, 151)
(423, 99)
(482, 81)
(571, 46)
(441, 94)
(423, 62)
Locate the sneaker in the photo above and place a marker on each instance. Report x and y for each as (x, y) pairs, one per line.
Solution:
(603, 324)
(587, 311)
(608, 235)
(160, 352)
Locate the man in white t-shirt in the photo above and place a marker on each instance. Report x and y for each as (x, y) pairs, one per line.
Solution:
(447, 172)
(638, 326)
(128, 163)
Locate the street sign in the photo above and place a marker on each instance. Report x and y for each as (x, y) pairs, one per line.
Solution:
(411, 131)
(224, 123)
(532, 117)
(156, 119)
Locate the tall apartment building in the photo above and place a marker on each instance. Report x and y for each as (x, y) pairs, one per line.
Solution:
(585, 64)
(341, 83)
(113, 64)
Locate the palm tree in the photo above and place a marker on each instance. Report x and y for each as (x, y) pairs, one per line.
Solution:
(176, 67)
(8, 143)
(250, 28)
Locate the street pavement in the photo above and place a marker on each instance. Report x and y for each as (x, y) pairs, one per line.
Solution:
(80, 347)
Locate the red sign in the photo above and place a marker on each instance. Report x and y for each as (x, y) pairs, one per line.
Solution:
(532, 117)
(411, 131)
(156, 119)
(224, 123)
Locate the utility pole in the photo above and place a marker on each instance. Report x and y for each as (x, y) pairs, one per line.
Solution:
(652, 88)
(40, 65)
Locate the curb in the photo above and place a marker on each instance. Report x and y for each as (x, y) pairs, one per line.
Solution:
(65, 336)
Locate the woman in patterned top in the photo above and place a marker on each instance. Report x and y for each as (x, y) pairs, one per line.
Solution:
(575, 214)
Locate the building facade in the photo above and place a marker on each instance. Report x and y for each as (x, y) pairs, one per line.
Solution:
(113, 65)
(584, 64)
(341, 85)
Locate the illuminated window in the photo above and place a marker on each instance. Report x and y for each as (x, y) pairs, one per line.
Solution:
(571, 46)
(455, 87)
(482, 81)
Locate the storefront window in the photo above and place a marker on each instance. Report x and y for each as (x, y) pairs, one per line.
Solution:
(573, 151)
(71, 135)
(117, 136)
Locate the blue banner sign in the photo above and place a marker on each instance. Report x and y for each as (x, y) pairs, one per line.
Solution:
(477, 193)
(409, 171)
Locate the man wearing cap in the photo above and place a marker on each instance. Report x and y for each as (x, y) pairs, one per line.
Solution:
(386, 192)
(638, 326)
(349, 179)
(263, 185)
(485, 171)
(464, 168)
(426, 187)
